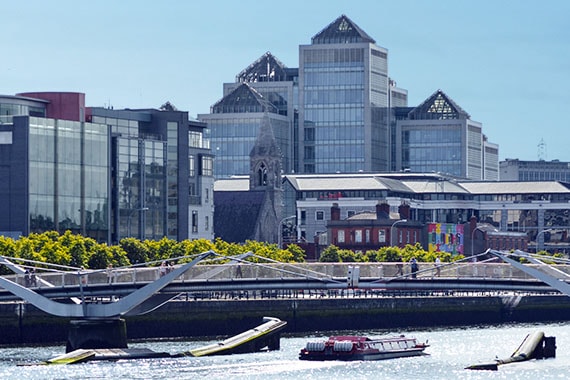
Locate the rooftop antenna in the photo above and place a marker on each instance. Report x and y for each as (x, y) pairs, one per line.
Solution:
(541, 150)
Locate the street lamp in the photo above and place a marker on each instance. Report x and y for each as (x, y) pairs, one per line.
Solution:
(537, 241)
(473, 239)
(280, 232)
(392, 230)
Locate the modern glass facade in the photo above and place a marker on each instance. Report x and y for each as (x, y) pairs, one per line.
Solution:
(68, 177)
(232, 139)
(433, 148)
(438, 136)
(342, 75)
(141, 188)
(140, 177)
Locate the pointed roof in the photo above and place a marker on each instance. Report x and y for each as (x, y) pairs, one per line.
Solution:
(243, 99)
(265, 143)
(266, 69)
(341, 30)
(438, 106)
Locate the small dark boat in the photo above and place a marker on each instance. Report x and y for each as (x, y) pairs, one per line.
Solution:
(351, 347)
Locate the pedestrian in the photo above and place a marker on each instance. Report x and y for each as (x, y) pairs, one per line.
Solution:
(110, 274)
(83, 276)
(33, 279)
(27, 278)
(399, 267)
(437, 266)
(163, 269)
(238, 271)
(414, 267)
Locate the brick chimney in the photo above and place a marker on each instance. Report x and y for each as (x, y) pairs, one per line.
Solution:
(382, 210)
(335, 212)
(404, 210)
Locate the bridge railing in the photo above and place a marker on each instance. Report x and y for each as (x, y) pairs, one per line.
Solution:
(246, 270)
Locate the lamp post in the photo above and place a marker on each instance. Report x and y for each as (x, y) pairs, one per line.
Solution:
(473, 239)
(280, 231)
(392, 230)
(537, 240)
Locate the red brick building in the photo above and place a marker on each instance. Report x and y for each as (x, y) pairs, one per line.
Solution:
(371, 230)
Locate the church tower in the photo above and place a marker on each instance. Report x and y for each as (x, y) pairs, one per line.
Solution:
(265, 176)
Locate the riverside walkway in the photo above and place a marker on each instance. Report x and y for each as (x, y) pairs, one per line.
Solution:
(222, 277)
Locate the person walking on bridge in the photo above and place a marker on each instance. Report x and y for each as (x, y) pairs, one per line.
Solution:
(414, 267)
(437, 266)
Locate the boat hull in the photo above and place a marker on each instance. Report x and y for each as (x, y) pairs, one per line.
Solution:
(362, 356)
(351, 348)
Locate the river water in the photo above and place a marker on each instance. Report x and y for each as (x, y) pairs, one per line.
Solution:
(450, 351)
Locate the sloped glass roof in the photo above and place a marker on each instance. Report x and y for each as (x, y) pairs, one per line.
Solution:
(340, 31)
(438, 106)
(266, 69)
(243, 99)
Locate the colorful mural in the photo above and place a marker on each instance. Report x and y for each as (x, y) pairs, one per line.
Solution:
(443, 237)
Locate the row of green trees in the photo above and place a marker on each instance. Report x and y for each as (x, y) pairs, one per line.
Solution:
(386, 254)
(79, 251)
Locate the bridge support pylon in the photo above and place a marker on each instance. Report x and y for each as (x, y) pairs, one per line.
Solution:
(96, 333)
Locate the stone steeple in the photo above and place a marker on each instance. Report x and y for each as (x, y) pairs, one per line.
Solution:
(265, 176)
(265, 159)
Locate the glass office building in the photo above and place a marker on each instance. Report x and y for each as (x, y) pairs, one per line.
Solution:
(233, 127)
(265, 86)
(163, 175)
(55, 172)
(102, 173)
(439, 136)
(68, 177)
(343, 74)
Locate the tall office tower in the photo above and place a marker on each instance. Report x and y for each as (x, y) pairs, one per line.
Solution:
(262, 90)
(343, 76)
(439, 136)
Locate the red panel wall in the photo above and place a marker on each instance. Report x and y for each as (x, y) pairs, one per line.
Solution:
(62, 105)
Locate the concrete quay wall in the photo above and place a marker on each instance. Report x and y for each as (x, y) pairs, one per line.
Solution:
(24, 324)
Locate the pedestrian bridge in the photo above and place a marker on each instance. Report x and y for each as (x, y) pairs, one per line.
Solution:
(138, 289)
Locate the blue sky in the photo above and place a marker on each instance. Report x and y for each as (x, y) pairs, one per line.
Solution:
(507, 63)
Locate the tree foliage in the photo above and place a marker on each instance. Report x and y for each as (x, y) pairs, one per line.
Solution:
(77, 251)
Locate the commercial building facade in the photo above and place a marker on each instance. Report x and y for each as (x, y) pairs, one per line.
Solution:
(522, 170)
(438, 135)
(103, 173)
(538, 209)
(342, 113)
(343, 74)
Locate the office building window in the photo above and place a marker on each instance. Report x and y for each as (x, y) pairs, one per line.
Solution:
(191, 166)
(194, 221)
(207, 166)
(320, 215)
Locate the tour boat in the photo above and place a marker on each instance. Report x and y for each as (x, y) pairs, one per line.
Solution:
(351, 347)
